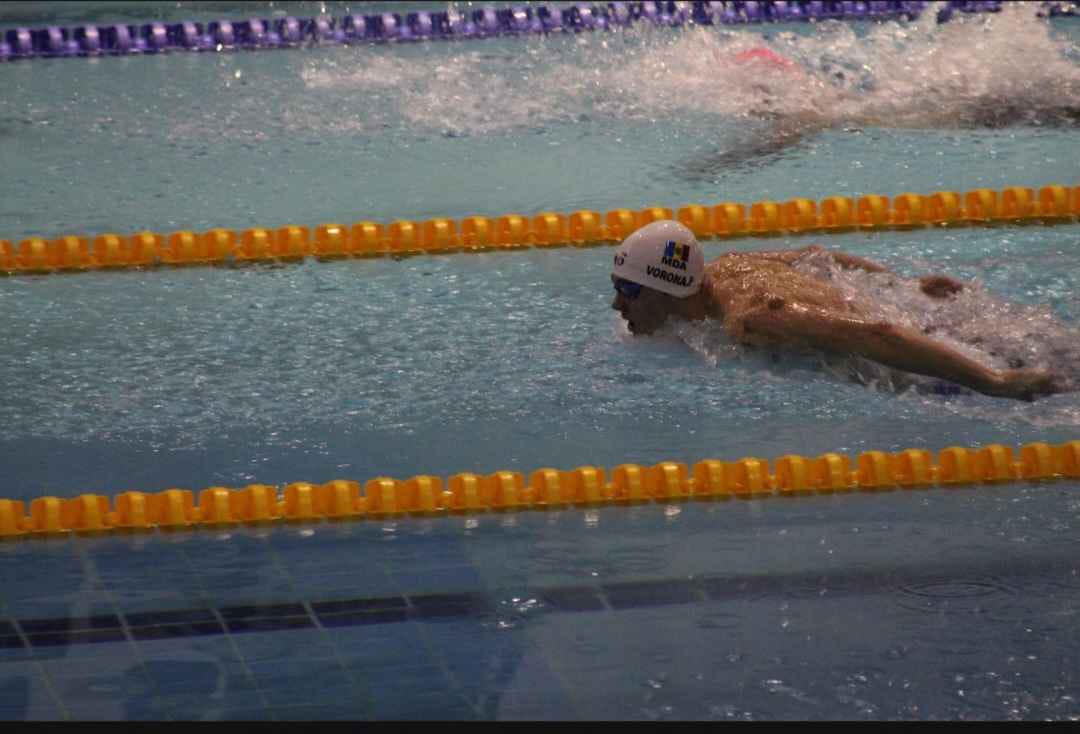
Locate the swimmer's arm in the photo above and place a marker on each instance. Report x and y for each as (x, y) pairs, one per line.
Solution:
(779, 324)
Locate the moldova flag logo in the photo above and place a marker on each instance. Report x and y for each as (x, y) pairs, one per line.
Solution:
(674, 251)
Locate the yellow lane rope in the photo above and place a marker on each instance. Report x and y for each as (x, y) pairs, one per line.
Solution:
(790, 475)
(73, 253)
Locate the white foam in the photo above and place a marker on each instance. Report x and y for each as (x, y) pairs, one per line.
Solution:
(920, 74)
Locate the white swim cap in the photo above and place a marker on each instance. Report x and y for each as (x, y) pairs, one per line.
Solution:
(663, 255)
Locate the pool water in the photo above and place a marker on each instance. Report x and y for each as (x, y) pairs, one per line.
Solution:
(908, 604)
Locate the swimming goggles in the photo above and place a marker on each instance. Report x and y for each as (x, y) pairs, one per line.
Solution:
(628, 288)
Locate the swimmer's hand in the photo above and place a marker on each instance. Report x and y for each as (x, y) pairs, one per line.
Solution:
(1027, 384)
(940, 286)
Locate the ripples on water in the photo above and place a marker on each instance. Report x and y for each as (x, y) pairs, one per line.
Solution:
(523, 338)
(982, 70)
(500, 359)
(979, 70)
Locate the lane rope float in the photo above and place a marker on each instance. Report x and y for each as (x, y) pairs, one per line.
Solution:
(790, 475)
(1051, 204)
(158, 37)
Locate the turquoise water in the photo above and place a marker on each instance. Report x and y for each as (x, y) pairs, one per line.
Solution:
(937, 604)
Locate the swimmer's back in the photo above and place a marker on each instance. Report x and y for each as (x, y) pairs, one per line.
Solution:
(747, 280)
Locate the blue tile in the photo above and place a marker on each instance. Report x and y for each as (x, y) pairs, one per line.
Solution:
(158, 575)
(282, 644)
(44, 571)
(85, 656)
(383, 682)
(147, 601)
(254, 713)
(239, 552)
(25, 714)
(226, 593)
(380, 646)
(291, 695)
(182, 673)
(310, 684)
(21, 688)
(406, 706)
(303, 671)
(38, 710)
(370, 583)
(522, 676)
(435, 579)
(92, 660)
(101, 708)
(548, 695)
(462, 633)
(212, 648)
(59, 588)
(534, 712)
(325, 712)
(13, 648)
(135, 708)
(18, 670)
(50, 605)
(194, 706)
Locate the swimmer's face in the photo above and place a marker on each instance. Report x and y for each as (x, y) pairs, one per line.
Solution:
(645, 310)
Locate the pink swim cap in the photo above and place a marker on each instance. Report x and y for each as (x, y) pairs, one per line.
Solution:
(764, 55)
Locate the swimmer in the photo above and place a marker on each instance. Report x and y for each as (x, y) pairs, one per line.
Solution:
(762, 301)
(775, 74)
(769, 77)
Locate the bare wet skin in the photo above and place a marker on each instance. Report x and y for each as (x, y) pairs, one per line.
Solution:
(763, 302)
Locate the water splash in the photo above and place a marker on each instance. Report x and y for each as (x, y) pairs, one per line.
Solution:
(982, 70)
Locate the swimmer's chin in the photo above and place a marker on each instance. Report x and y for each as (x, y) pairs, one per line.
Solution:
(636, 330)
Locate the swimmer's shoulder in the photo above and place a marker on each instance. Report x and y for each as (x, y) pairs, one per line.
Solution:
(728, 265)
(739, 263)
